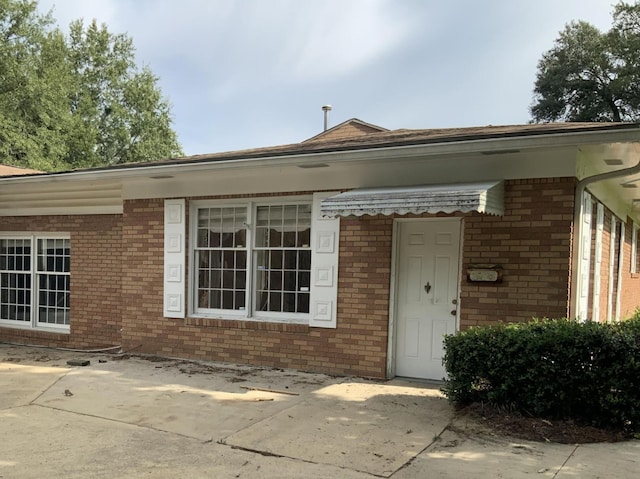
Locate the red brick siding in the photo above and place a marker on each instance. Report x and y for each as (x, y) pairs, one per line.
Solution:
(357, 346)
(532, 242)
(630, 293)
(96, 270)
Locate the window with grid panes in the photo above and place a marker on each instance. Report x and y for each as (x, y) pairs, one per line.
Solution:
(283, 258)
(262, 271)
(35, 281)
(221, 258)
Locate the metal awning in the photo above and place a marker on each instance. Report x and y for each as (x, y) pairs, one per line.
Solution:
(465, 197)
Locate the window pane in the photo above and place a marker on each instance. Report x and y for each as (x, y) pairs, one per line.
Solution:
(240, 300)
(275, 301)
(241, 260)
(15, 296)
(275, 280)
(283, 258)
(262, 217)
(276, 259)
(215, 279)
(221, 263)
(203, 237)
(228, 278)
(303, 302)
(262, 237)
(53, 307)
(227, 299)
(241, 280)
(240, 238)
(304, 238)
(289, 303)
(290, 281)
(304, 260)
(203, 279)
(290, 259)
(304, 281)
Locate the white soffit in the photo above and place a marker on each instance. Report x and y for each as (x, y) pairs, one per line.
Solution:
(464, 197)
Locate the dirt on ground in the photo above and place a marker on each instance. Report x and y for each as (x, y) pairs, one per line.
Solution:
(482, 418)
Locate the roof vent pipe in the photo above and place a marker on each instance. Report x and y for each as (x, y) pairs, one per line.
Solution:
(326, 109)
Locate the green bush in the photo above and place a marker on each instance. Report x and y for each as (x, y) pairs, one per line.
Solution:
(551, 369)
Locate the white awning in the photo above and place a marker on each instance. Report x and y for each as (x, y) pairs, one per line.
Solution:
(465, 197)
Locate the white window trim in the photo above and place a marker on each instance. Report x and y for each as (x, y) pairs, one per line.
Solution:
(33, 324)
(248, 314)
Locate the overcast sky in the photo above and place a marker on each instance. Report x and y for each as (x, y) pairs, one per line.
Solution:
(250, 73)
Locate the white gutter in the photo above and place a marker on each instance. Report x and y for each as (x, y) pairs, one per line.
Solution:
(364, 154)
(576, 274)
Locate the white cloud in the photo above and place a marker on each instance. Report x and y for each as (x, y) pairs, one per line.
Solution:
(245, 73)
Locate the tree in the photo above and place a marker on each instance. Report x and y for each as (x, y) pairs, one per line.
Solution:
(115, 105)
(78, 100)
(592, 76)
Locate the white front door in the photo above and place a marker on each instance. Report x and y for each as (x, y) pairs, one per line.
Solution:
(427, 279)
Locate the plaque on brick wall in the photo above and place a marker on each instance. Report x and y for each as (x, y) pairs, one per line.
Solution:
(484, 273)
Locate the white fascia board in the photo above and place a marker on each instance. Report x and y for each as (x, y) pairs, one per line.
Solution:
(63, 211)
(492, 145)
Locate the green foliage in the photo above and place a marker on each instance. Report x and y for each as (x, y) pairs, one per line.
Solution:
(550, 368)
(78, 100)
(591, 75)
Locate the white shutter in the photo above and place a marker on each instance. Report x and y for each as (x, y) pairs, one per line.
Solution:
(174, 258)
(325, 235)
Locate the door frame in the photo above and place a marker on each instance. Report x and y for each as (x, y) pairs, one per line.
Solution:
(393, 290)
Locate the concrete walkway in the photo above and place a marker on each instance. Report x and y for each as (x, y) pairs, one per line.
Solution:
(134, 417)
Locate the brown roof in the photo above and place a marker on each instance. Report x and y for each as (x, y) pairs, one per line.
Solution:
(6, 170)
(347, 129)
(402, 137)
(385, 139)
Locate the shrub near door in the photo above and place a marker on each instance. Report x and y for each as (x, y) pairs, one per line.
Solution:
(550, 368)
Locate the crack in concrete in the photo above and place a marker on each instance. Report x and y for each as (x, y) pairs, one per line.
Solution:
(306, 461)
(566, 460)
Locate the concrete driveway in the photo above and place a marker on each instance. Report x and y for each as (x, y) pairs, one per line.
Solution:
(149, 417)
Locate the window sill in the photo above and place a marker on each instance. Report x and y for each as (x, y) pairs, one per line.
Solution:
(256, 325)
(42, 333)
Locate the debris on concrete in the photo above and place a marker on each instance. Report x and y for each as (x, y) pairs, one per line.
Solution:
(267, 390)
(78, 362)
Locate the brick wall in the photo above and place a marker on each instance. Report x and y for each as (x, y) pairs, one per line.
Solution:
(357, 346)
(532, 242)
(630, 296)
(96, 271)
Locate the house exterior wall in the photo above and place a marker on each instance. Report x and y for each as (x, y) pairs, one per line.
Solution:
(532, 242)
(609, 272)
(96, 241)
(630, 292)
(118, 298)
(357, 346)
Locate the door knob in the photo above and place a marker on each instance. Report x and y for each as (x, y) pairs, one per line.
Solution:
(453, 312)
